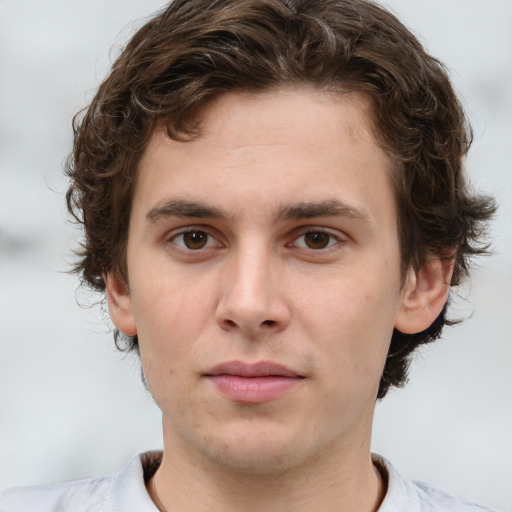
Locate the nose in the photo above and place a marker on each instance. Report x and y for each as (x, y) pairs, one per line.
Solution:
(252, 297)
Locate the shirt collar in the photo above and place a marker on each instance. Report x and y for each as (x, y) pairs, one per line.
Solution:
(129, 492)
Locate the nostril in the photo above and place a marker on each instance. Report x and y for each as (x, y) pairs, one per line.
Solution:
(269, 323)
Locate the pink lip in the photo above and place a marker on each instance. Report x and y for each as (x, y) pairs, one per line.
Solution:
(252, 383)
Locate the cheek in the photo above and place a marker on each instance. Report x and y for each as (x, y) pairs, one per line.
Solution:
(171, 313)
(351, 319)
(168, 324)
(168, 303)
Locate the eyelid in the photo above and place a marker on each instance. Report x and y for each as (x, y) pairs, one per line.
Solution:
(303, 230)
(210, 232)
(300, 231)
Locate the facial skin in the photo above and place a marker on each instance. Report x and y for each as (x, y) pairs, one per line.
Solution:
(271, 237)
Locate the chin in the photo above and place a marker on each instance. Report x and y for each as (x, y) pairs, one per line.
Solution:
(260, 460)
(263, 452)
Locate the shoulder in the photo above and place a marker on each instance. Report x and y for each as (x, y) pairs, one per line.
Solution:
(411, 496)
(80, 496)
(122, 492)
(439, 500)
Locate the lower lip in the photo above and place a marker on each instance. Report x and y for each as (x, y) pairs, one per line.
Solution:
(253, 390)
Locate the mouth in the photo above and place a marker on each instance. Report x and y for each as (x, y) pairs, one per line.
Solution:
(253, 383)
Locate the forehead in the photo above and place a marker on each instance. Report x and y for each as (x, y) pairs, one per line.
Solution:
(305, 114)
(269, 149)
(288, 114)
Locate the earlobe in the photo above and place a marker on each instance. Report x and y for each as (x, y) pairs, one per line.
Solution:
(120, 303)
(424, 295)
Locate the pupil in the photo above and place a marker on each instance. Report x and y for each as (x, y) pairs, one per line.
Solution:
(317, 240)
(195, 239)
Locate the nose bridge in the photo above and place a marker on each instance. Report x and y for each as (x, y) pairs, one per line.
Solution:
(251, 298)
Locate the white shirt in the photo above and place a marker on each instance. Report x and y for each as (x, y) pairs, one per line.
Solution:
(126, 492)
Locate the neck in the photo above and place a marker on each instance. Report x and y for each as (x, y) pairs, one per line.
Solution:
(346, 481)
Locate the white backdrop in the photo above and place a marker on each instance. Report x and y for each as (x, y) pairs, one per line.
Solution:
(71, 406)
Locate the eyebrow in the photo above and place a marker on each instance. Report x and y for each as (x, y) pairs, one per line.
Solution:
(297, 211)
(328, 208)
(183, 208)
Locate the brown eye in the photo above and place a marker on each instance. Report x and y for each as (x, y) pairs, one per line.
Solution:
(194, 240)
(317, 240)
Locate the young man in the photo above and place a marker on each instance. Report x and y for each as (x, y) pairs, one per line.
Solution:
(274, 202)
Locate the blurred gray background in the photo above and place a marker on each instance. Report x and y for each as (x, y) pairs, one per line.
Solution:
(71, 406)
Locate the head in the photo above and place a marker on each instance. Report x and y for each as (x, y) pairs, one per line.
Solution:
(193, 53)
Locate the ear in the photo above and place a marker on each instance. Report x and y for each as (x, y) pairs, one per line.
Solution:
(120, 304)
(424, 295)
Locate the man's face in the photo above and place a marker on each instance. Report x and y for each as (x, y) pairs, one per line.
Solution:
(264, 279)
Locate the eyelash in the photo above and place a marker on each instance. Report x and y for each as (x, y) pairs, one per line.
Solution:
(332, 241)
(190, 230)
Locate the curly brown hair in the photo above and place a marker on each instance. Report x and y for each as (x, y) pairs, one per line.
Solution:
(193, 51)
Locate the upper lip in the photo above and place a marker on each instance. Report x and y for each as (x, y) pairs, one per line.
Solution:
(259, 369)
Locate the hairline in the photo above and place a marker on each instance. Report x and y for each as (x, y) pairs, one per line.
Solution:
(334, 90)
